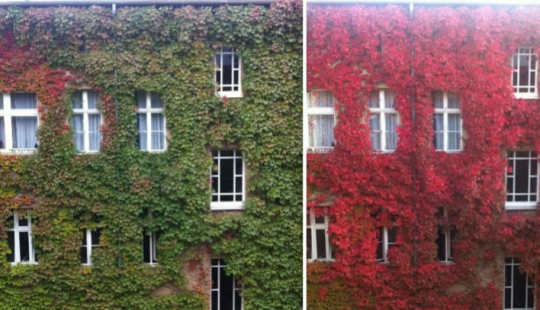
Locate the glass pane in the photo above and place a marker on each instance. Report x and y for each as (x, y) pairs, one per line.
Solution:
(438, 101)
(522, 176)
(141, 128)
(239, 166)
(158, 131)
(308, 243)
(226, 197)
(156, 101)
(237, 300)
(11, 242)
(24, 132)
(520, 281)
(226, 69)
(319, 219)
(141, 99)
(214, 277)
(238, 185)
(321, 99)
(441, 245)
(453, 101)
(95, 236)
(146, 249)
(76, 100)
(24, 240)
(374, 100)
(226, 290)
(507, 275)
(23, 101)
(321, 243)
(84, 255)
(389, 97)
(226, 175)
(94, 121)
(215, 298)
(92, 99)
(391, 135)
(2, 133)
(23, 221)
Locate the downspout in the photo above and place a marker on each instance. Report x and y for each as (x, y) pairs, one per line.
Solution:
(119, 233)
(413, 133)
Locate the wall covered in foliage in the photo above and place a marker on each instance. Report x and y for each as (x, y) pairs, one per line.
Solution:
(52, 51)
(464, 50)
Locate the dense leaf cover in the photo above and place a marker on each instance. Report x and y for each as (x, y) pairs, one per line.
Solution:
(169, 50)
(465, 50)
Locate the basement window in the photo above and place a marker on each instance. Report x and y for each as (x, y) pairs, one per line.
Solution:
(522, 180)
(226, 290)
(228, 70)
(525, 73)
(18, 122)
(386, 240)
(86, 121)
(321, 121)
(518, 286)
(447, 122)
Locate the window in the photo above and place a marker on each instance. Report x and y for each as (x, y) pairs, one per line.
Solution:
(228, 72)
(525, 73)
(225, 289)
(149, 248)
(318, 240)
(228, 180)
(321, 120)
(518, 286)
(447, 122)
(20, 241)
(522, 180)
(446, 237)
(386, 239)
(383, 120)
(90, 242)
(18, 121)
(86, 121)
(150, 122)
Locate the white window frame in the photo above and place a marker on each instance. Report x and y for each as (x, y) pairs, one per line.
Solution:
(449, 244)
(314, 111)
(385, 244)
(446, 111)
(8, 114)
(152, 248)
(231, 93)
(85, 111)
(314, 227)
(522, 205)
(89, 246)
(220, 264)
(17, 229)
(229, 205)
(533, 89)
(528, 286)
(383, 111)
(148, 111)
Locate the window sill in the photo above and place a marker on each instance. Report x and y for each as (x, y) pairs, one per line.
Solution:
(447, 263)
(153, 151)
(449, 151)
(19, 151)
(520, 205)
(230, 94)
(525, 96)
(320, 149)
(381, 152)
(153, 265)
(322, 260)
(219, 206)
(87, 152)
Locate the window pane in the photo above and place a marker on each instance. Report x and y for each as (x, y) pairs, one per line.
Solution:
(146, 249)
(23, 221)
(226, 290)
(215, 298)
(23, 101)
(158, 131)
(95, 236)
(391, 135)
(308, 237)
(156, 101)
(226, 69)
(94, 122)
(320, 234)
(453, 101)
(226, 175)
(24, 240)
(438, 100)
(92, 99)
(2, 133)
(374, 100)
(84, 255)
(78, 131)
(520, 281)
(11, 242)
(321, 99)
(237, 299)
(141, 136)
(389, 97)
(441, 245)
(76, 100)
(321, 130)
(239, 165)
(141, 99)
(522, 176)
(24, 132)
(238, 185)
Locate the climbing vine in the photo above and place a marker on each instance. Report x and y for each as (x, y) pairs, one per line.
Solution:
(53, 51)
(352, 49)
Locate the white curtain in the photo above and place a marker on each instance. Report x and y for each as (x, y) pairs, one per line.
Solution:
(454, 131)
(24, 132)
(92, 99)
(321, 99)
(438, 130)
(23, 101)
(158, 131)
(76, 100)
(141, 127)
(78, 131)
(94, 122)
(2, 133)
(375, 133)
(321, 130)
(391, 135)
(374, 100)
(389, 97)
(141, 99)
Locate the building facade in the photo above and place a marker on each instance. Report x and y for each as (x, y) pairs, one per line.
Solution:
(422, 156)
(151, 156)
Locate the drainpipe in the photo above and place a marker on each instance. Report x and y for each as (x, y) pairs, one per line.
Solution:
(413, 121)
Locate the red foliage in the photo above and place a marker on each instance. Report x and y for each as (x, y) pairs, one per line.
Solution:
(462, 50)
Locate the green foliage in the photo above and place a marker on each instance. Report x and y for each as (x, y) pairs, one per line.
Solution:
(168, 50)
